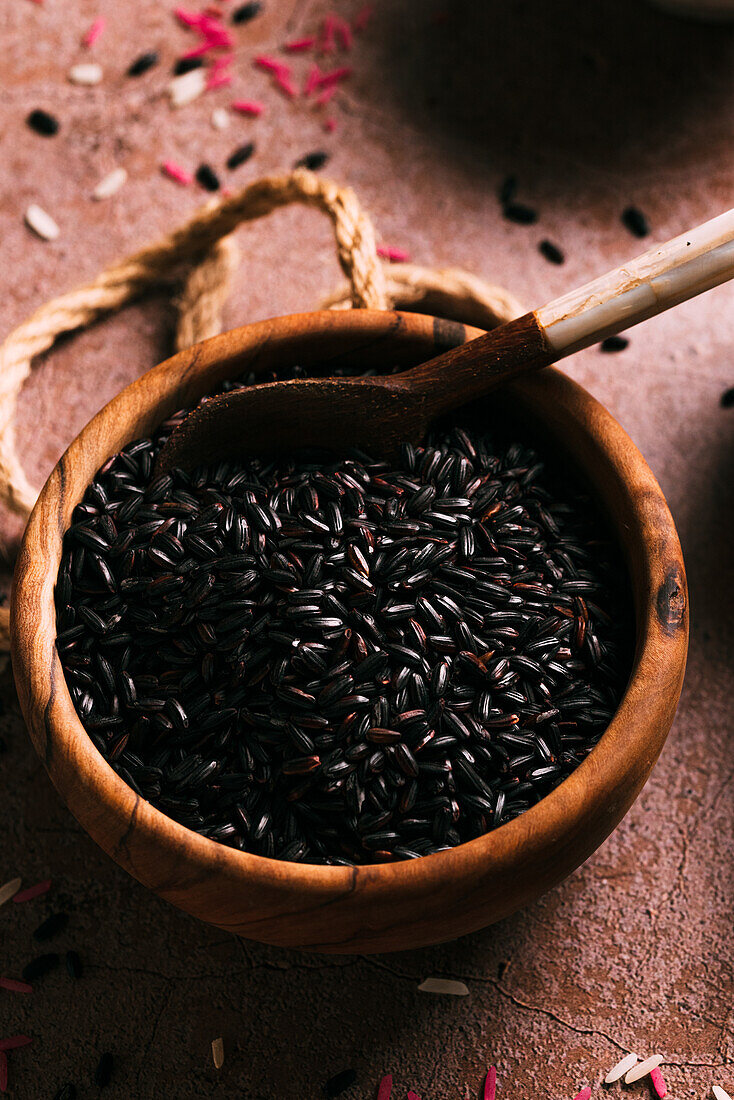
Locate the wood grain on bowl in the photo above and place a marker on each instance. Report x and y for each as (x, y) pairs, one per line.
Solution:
(388, 906)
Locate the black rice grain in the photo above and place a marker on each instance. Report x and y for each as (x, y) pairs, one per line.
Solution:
(340, 1082)
(187, 65)
(207, 178)
(343, 660)
(245, 12)
(551, 252)
(66, 1092)
(240, 155)
(614, 343)
(634, 220)
(519, 213)
(41, 965)
(312, 161)
(727, 399)
(74, 965)
(51, 927)
(143, 63)
(103, 1072)
(43, 122)
(508, 190)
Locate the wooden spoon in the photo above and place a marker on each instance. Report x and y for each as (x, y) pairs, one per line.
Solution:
(376, 414)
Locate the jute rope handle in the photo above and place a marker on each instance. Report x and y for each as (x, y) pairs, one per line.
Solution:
(201, 257)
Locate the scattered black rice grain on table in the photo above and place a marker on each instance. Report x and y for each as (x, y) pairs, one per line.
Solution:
(74, 964)
(51, 927)
(143, 63)
(66, 1092)
(43, 123)
(343, 661)
(41, 965)
(340, 1082)
(508, 190)
(187, 65)
(519, 213)
(614, 343)
(727, 399)
(207, 177)
(551, 252)
(240, 155)
(634, 220)
(313, 161)
(103, 1072)
(245, 12)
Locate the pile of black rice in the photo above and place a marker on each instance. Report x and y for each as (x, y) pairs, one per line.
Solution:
(343, 661)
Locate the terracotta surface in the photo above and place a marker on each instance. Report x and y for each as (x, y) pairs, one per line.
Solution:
(617, 104)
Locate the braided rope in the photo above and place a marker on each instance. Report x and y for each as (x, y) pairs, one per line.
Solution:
(202, 256)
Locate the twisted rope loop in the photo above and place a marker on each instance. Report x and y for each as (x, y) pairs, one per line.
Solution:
(201, 256)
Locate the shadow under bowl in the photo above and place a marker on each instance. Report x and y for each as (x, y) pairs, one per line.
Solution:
(380, 907)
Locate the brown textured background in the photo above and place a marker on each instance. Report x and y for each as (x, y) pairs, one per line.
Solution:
(593, 105)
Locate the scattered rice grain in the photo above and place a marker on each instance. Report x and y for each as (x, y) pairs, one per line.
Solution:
(340, 1082)
(51, 927)
(41, 223)
(444, 985)
(490, 1084)
(9, 889)
(14, 1042)
(658, 1083)
(14, 986)
(634, 220)
(43, 122)
(618, 1071)
(245, 12)
(110, 184)
(143, 63)
(32, 892)
(86, 74)
(614, 343)
(183, 90)
(218, 1052)
(384, 1089)
(220, 118)
(313, 161)
(642, 1069)
(103, 1072)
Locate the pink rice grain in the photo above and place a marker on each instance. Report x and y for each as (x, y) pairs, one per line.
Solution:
(3, 1071)
(272, 65)
(286, 85)
(658, 1083)
(95, 31)
(198, 51)
(188, 18)
(394, 255)
(176, 172)
(13, 1042)
(33, 891)
(325, 97)
(344, 34)
(335, 76)
(312, 80)
(584, 1094)
(413, 1095)
(15, 986)
(362, 18)
(385, 1087)
(247, 107)
(218, 79)
(300, 45)
(327, 42)
(490, 1084)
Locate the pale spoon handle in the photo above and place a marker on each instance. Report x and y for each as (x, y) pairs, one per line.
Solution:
(658, 279)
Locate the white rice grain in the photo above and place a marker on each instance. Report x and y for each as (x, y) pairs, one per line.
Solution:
(444, 985)
(9, 890)
(719, 1093)
(41, 223)
(620, 1069)
(220, 118)
(186, 88)
(110, 184)
(642, 1069)
(86, 74)
(218, 1052)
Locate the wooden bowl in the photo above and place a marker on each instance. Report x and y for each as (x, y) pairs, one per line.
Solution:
(389, 906)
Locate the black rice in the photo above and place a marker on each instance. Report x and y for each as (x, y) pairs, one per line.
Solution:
(103, 1072)
(634, 220)
(519, 213)
(614, 343)
(551, 252)
(66, 1092)
(51, 927)
(340, 1082)
(44, 123)
(143, 63)
(241, 155)
(207, 178)
(245, 12)
(312, 161)
(343, 660)
(41, 965)
(74, 966)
